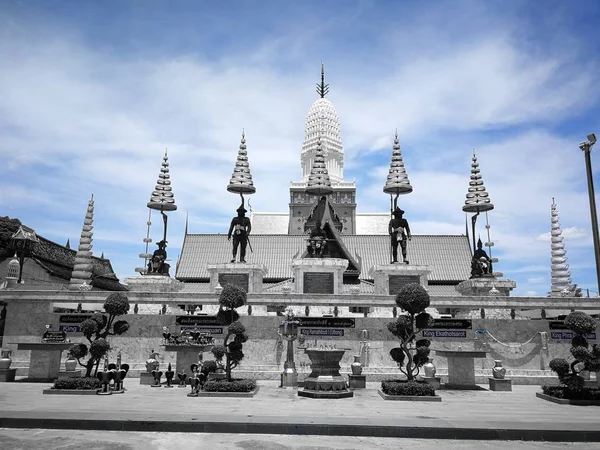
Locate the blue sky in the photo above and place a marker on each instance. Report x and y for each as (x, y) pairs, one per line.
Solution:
(93, 91)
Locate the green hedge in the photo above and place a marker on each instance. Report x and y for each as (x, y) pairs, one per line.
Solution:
(239, 385)
(79, 383)
(401, 387)
(562, 392)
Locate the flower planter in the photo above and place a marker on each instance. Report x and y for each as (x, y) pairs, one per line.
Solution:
(566, 401)
(70, 391)
(229, 394)
(410, 398)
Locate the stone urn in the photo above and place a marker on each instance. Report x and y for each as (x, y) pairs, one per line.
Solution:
(429, 368)
(356, 366)
(498, 371)
(70, 363)
(5, 359)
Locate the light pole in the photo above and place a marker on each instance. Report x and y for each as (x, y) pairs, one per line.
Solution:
(586, 147)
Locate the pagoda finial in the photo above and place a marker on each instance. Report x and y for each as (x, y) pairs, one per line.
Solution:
(562, 285)
(397, 180)
(322, 88)
(83, 264)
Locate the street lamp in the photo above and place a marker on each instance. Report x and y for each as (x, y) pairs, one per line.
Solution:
(586, 147)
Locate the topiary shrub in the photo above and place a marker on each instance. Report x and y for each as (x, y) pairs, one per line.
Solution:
(208, 367)
(232, 297)
(572, 383)
(411, 356)
(415, 388)
(78, 383)
(239, 385)
(97, 328)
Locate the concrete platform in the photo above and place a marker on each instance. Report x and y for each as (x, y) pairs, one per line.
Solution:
(481, 414)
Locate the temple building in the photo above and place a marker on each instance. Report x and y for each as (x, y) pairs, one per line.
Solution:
(278, 239)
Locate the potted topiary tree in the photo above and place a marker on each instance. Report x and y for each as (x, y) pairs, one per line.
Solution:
(97, 329)
(232, 297)
(410, 356)
(572, 383)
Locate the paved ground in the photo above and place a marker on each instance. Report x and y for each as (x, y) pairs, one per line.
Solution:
(477, 415)
(12, 439)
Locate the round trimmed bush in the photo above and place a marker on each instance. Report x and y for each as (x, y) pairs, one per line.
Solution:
(99, 348)
(397, 355)
(236, 328)
(208, 367)
(560, 366)
(218, 351)
(400, 327)
(116, 304)
(412, 298)
(89, 327)
(78, 351)
(227, 316)
(121, 326)
(580, 353)
(232, 296)
(580, 323)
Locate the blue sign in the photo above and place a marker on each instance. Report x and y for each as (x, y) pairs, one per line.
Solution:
(568, 335)
(203, 330)
(445, 333)
(70, 328)
(321, 332)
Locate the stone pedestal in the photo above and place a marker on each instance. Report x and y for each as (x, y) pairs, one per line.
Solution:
(461, 367)
(153, 283)
(44, 360)
(389, 278)
(7, 375)
(187, 355)
(481, 286)
(69, 374)
(146, 378)
(319, 275)
(357, 381)
(497, 384)
(436, 382)
(248, 277)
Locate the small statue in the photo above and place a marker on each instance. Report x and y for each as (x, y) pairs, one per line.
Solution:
(157, 374)
(481, 264)
(240, 228)
(182, 378)
(399, 232)
(152, 363)
(169, 376)
(194, 381)
(105, 376)
(317, 242)
(157, 264)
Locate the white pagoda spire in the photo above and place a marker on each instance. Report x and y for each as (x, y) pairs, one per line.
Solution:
(561, 275)
(81, 277)
(322, 121)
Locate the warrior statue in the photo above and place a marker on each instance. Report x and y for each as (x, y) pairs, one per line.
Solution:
(158, 263)
(399, 232)
(481, 263)
(240, 228)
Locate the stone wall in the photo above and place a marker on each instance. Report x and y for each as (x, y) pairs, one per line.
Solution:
(518, 343)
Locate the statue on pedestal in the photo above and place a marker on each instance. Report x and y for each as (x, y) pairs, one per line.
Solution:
(317, 242)
(157, 264)
(399, 233)
(481, 264)
(240, 229)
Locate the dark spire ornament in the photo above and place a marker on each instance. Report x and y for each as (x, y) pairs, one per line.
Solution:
(322, 88)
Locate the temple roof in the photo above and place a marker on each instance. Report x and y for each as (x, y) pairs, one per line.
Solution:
(448, 255)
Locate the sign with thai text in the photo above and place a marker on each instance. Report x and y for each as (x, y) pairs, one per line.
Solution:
(74, 318)
(322, 332)
(452, 324)
(203, 330)
(445, 333)
(237, 279)
(196, 320)
(318, 283)
(54, 336)
(568, 335)
(333, 322)
(396, 282)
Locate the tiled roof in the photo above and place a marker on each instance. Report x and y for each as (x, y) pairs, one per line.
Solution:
(449, 256)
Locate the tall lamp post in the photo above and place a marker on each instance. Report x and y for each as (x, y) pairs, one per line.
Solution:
(586, 147)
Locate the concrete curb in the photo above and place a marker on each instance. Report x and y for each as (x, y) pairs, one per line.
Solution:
(258, 427)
